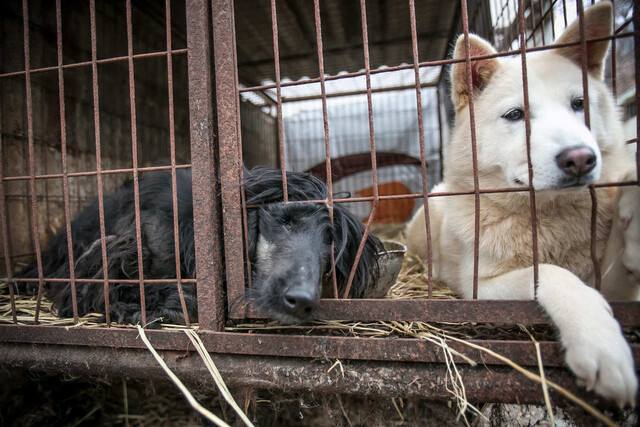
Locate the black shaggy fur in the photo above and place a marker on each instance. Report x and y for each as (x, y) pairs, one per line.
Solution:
(289, 249)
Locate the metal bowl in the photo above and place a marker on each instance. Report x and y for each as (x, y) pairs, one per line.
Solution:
(390, 263)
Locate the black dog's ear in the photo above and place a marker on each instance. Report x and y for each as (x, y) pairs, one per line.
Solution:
(347, 234)
(253, 227)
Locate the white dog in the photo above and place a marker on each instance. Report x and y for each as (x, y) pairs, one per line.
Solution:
(566, 157)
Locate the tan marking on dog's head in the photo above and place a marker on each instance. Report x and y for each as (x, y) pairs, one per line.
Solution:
(598, 22)
(481, 70)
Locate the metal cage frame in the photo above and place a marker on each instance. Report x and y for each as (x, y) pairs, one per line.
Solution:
(220, 251)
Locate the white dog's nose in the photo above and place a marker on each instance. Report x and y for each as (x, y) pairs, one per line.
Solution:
(576, 161)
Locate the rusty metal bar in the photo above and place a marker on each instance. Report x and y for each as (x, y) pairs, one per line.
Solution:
(206, 212)
(636, 40)
(226, 89)
(587, 121)
(356, 92)
(276, 59)
(100, 280)
(322, 347)
(423, 157)
(493, 311)
(31, 151)
(440, 135)
(594, 237)
(373, 379)
(474, 152)
(90, 63)
(428, 64)
(583, 63)
(327, 148)
(172, 149)
(94, 173)
(553, 20)
(614, 70)
(134, 154)
(96, 125)
(452, 193)
(527, 124)
(63, 149)
(372, 145)
(8, 257)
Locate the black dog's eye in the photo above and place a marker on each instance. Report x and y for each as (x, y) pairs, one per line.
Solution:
(514, 114)
(577, 104)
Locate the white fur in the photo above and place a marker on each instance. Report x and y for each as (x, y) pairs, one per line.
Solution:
(596, 350)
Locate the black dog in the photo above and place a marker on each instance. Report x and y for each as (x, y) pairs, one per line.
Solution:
(289, 249)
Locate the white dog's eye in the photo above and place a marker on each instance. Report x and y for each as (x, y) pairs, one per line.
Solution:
(577, 104)
(514, 114)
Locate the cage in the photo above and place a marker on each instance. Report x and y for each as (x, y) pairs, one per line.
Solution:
(97, 93)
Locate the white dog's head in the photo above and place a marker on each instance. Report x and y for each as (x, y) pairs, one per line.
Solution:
(565, 153)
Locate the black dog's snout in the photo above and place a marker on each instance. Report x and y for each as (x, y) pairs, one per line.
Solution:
(576, 161)
(299, 301)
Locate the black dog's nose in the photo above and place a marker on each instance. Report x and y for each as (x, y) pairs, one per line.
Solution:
(299, 301)
(577, 161)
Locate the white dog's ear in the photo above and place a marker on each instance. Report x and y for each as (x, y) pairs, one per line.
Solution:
(598, 22)
(481, 70)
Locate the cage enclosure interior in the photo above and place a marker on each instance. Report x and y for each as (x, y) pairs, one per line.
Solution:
(274, 147)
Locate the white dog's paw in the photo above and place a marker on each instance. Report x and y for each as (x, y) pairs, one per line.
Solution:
(629, 215)
(598, 354)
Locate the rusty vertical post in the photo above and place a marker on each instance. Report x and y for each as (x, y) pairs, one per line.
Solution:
(440, 137)
(372, 146)
(172, 148)
(636, 42)
(527, 125)
(31, 151)
(474, 151)
(423, 157)
(206, 210)
(5, 230)
(96, 127)
(614, 71)
(226, 88)
(63, 149)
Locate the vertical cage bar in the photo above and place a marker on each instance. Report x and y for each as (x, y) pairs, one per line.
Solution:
(542, 16)
(172, 148)
(552, 7)
(636, 44)
(63, 149)
(31, 154)
(134, 153)
(440, 136)
(614, 67)
(243, 196)
(372, 144)
(226, 90)
(511, 38)
(276, 60)
(5, 232)
(206, 209)
(587, 121)
(96, 126)
(423, 157)
(327, 148)
(474, 152)
(527, 124)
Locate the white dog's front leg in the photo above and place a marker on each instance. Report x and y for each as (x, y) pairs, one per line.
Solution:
(629, 215)
(596, 350)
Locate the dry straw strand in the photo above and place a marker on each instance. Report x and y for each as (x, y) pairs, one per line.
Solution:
(187, 394)
(545, 388)
(213, 370)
